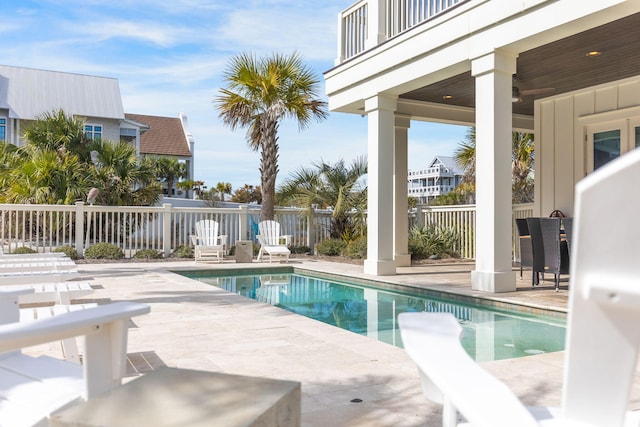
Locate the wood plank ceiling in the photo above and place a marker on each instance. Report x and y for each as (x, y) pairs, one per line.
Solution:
(556, 68)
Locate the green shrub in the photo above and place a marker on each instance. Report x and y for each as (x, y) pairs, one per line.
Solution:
(24, 250)
(147, 254)
(68, 251)
(433, 241)
(331, 247)
(103, 251)
(300, 249)
(183, 252)
(357, 248)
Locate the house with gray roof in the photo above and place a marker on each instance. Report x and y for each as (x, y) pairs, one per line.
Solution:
(27, 93)
(440, 177)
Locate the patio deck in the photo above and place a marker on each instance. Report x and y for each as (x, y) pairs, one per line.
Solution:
(196, 326)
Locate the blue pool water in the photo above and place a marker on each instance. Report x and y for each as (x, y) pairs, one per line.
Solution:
(489, 334)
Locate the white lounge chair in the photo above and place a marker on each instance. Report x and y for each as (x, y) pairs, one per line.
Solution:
(207, 242)
(603, 337)
(32, 388)
(271, 242)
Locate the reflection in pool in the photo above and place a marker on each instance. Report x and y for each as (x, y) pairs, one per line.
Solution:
(489, 334)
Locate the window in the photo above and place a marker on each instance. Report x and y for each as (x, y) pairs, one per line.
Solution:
(93, 131)
(606, 147)
(3, 129)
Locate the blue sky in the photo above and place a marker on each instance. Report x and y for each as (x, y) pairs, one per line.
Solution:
(169, 57)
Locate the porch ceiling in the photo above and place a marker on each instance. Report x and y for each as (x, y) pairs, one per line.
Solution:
(561, 65)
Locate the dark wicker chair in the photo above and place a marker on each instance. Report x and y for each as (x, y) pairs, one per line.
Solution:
(524, 239)
(556, 254)
(567, 224)
(537, 248)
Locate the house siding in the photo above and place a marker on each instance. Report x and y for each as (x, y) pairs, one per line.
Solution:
(562, 126)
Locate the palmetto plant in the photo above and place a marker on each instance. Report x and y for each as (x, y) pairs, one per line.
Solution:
(259, 94)
(337, 186)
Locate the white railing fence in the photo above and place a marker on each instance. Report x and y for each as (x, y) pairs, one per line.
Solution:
(463, 220)
(165, 228)
(368, 23)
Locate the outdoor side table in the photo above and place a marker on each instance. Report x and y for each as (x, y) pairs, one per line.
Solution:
(181, 397)
(244, 251)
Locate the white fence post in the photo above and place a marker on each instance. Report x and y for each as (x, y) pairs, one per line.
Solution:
(79, 228)
(376, 23)
(166, 229)
(311, 230)
(243, 230)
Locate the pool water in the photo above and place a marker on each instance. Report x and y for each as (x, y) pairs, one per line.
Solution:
(489, 334)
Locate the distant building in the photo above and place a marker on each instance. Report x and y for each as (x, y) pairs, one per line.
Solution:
(441, 176)
(27, 93)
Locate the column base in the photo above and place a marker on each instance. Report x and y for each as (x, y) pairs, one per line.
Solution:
(380, 267)
(403, 260)
(493, 281)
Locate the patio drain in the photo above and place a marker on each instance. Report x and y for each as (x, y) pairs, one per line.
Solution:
(356, 400)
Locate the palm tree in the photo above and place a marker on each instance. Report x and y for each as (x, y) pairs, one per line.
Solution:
(522, 162)
(260, 93)
(167, 169)
(47, 177)
(336, 186)
(224, 188)
(121, 179)
(61, 132)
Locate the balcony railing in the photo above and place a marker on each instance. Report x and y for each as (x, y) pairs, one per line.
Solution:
(370, 22)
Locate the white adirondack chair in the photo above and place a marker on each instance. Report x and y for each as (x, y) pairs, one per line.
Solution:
(603, 337)
(271, 242)
(32, 388)
(207, 242)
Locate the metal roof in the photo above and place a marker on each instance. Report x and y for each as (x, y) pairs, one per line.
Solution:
(28, 93)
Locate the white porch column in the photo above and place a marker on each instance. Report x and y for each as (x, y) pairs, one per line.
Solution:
(400, 193)
(493, 73)
(380, 118)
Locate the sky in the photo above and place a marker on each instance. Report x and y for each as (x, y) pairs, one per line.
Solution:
(170, 56)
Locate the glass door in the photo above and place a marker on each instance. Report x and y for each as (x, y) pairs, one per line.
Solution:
(608, 141)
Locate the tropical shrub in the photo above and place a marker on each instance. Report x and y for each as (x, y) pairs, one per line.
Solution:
(357, 248)
(183, 252)
(24, 250)
(300, 249)
(433, 241)
(68, 251)
(331, 247)
(103, 250)
(147, 254)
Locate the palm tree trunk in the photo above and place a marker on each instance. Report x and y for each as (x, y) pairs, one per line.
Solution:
(268, 168)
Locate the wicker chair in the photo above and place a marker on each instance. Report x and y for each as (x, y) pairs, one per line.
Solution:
(567, 224)
(556, 255)
(524, 239)
(537, 249)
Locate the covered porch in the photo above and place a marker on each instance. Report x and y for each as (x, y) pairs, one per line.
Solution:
(563, 70)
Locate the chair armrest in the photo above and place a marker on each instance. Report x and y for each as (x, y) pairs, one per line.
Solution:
(194, 240)
(432, 340)
(15, 336)
(287, 238)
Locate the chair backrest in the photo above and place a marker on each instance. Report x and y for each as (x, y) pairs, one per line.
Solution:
(269, 232)
(207, 232)
(604, 304)
(550, 228)
(523, 228)
(536, 243)
(567, 224)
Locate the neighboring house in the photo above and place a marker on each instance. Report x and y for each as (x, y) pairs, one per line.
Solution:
(565, 70)
(440, 177)
(165, 136)
(27, 93)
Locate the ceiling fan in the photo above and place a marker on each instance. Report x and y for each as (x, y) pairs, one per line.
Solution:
(517, 94)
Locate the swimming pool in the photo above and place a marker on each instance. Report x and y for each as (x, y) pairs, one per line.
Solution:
(489, 333)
